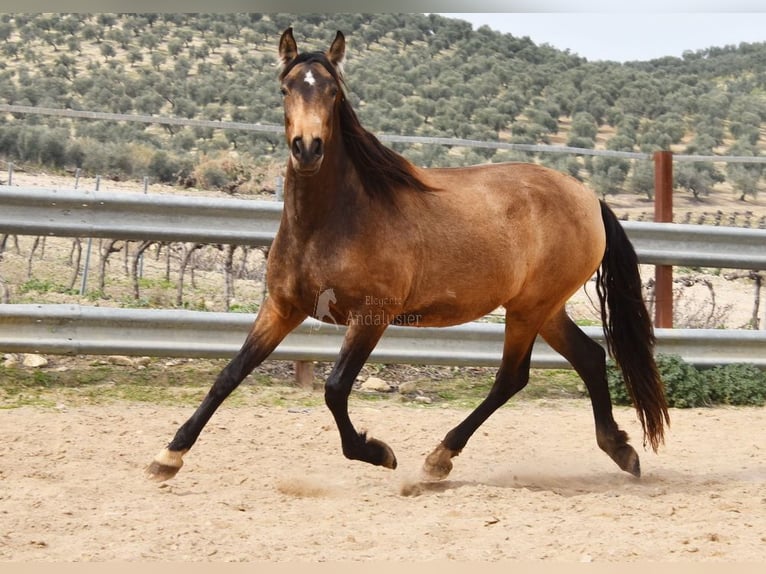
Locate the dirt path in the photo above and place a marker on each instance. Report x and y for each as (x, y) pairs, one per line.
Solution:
(271, 484)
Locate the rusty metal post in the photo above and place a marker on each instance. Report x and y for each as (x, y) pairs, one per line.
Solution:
(663, 213)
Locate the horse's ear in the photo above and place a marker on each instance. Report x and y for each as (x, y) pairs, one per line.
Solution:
(337, 52)
(288, 49)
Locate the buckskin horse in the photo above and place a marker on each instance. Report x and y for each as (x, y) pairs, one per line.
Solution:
(443, 246)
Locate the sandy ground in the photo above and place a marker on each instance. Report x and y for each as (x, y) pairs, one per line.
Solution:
(271, 484)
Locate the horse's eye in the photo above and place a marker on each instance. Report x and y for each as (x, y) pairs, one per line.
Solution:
(283, 91)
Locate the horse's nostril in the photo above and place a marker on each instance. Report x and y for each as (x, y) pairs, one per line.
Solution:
(297, 147)
(307, 153)
(317, 147)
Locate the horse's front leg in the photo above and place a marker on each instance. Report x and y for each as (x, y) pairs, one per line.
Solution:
(357, 346)
(271, 326)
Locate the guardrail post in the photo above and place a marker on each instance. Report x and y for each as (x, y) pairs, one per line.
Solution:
(304, 374)
(86, 267)
(663, 213)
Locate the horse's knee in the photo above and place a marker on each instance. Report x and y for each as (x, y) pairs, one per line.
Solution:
(505, 388)
(501, 395)
(335, 393)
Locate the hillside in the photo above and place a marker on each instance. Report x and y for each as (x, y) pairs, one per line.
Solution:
(408, 74)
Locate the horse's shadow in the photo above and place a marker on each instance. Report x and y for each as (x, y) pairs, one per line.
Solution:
(653, 484)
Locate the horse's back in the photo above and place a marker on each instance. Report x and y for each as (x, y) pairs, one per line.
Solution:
(528, 185)
(519, 205)
(509, 232)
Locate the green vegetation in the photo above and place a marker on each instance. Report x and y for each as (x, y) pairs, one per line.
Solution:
(686, 386)
(737, 385)
(185, 382)
(155, 381)
(42, 286)
(160, 381)
(410, 74)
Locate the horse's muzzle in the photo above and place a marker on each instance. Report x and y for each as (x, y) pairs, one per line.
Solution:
(307, 156)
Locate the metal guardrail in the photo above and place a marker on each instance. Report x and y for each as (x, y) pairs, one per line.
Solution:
(67, 329)
(698, 245)
(137, 216)
(74, 329)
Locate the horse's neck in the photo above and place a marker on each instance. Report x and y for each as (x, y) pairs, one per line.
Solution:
(311, 202)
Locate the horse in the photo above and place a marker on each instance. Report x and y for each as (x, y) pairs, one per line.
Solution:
(442, 245)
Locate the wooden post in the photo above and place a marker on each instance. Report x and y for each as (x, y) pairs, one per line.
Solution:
(663, 213)
(304, 374)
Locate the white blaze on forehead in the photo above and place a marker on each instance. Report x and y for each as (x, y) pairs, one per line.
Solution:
(309, 78)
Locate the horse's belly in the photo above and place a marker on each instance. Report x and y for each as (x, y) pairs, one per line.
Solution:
(451, 305)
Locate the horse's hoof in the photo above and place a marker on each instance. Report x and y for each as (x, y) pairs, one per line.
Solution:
(160, 472)
(627, 459)
(630, 462)
(615, 444)
(438, 464)
(381, 453)
(165, 465)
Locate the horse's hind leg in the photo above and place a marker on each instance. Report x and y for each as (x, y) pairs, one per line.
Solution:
(512, 376)
(589, 360)
(271, 326)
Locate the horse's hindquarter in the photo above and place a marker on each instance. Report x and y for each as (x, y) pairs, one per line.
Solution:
(504, 234)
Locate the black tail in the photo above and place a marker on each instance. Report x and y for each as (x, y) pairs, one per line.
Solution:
(628, 329)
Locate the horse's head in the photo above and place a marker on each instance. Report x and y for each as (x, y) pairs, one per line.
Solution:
(311, 85)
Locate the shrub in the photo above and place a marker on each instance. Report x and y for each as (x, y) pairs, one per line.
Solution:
(53, 148)
(741, 384)
(75, 154)
(685, 387)
(141, 155)
(94, 157)
(27, 147)
(221, 172)
(213, 177)
(120, 160)
(164, 167)
(9, 134)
